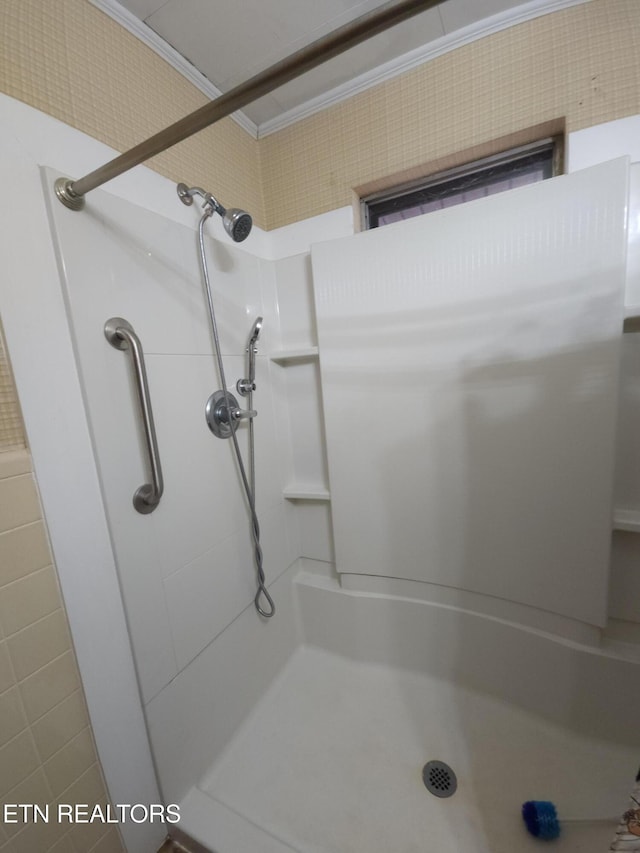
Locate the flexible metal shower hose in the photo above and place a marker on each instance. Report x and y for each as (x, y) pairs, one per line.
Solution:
(249, 487)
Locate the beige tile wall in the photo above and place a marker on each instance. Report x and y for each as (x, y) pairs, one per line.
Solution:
(47, 754)
(580, 66)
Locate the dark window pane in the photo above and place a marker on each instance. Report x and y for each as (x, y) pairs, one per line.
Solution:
(478, 180)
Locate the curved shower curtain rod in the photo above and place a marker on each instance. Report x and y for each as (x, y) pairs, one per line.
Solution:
(71, 193)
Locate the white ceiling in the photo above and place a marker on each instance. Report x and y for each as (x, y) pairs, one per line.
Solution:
(229, 41)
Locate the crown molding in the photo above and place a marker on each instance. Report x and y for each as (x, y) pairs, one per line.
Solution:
(146, 35)
(387, 71)
(414, 58)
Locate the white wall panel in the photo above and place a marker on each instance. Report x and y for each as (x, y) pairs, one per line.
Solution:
(295, 302)
(469, 364)
(316, 537)
(186, 570)
(604, 142)
(194, 717)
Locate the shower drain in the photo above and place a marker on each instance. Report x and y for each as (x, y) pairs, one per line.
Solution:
(439, 779)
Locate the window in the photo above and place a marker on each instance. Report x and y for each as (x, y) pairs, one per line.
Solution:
(515, 168)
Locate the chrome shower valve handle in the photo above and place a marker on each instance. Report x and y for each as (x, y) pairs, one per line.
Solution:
(242, 414)
(223, 414)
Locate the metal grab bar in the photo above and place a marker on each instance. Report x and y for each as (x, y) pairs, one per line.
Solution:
(120, 335)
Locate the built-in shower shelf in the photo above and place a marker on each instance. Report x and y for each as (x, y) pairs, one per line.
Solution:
(298, 492)
(295, 355)
(631, 311)
(627, 519)
(632, 318)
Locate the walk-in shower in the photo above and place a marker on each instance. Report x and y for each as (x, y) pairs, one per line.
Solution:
(222, 411)
(444, 623)
(459, 619)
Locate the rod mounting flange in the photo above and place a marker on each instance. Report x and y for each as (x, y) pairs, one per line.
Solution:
(65, 193)
(184, 195)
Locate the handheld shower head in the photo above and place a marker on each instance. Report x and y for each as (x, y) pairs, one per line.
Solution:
(237, 223)
(254, 334)
(246, 386)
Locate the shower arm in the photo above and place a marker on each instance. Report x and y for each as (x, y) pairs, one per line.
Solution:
(71, 193)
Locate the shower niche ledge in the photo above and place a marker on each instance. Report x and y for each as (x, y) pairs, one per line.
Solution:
(295, 356)
(627, 519)
(306, 492)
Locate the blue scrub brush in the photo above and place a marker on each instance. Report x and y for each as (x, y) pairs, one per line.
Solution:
(541, 819)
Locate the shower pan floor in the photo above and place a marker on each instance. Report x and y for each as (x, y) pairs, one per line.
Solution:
(331, 761)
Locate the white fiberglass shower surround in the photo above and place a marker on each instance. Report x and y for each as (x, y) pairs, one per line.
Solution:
(462, 410)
